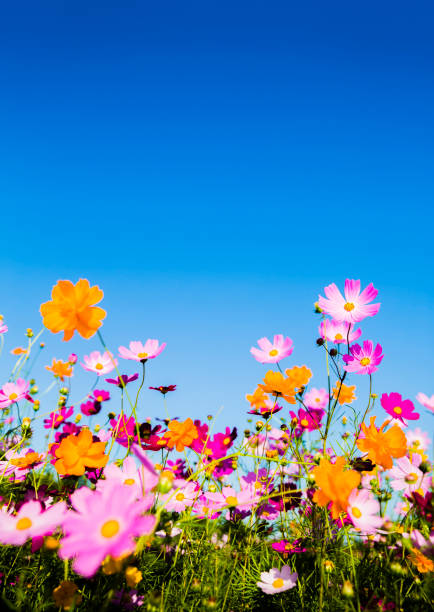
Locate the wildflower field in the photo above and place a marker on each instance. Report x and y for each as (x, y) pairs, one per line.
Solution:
(316, 505)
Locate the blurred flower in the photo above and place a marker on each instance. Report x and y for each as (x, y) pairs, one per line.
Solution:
(78, 452)
(287, 548)
(72, 358)
(58, 417)
(354, 307)
(30, 522)
(142, 352)
(381, 447)
(60, 369)
(181, 434)
(416, 438)
(19, 350)
(422, 563)
(272, 352)
(65, 595)
(122, 380)
(363, 510)
(335, 484)
(277, 581)
(100, 363)
(427, 402)
(72, 309)
(164, 390)
(398, 408)
(132, 576)
(363, 360)
(3, 327)
(343, 393)
(101, 396)
(14, 392)
(267, 409)
(338, 332)
(316, 398)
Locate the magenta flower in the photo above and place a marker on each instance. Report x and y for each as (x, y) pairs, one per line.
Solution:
(89, 408)
(101, 396)
(142, 352)
(339, 332)
(103, 523)
(266, 410)
(100, 363)
(398, 408)
(307, 420)
(72, 359)
(288, 548)
(123, 429)
(277, 581)
(316, 398)
(31, 521)
(363, 360)
(123, 380)
(58, 417)
(14, 392)
(272, 352)
(352, 308)
(427, 402)
(363, 510)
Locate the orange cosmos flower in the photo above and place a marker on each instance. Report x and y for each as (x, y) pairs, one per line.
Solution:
(423, 564)
(78, 452)
(19, 350)
(258, 400)
(60, 369)
(299, 376)
(71, 309)
(276, 384)
(335, 484)
(181, 434)
(382, 446)
(27, 461)
(345, 395)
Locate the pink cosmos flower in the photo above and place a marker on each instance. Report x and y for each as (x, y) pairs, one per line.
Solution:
(30, 522)
(427, 402)
(398, 408)
(307, 420)
(100, 363)
(272, 352)
(418, 438)
(141, 480)
(183, 498)
(204, 508)
(142, 352)
(316, 398)
(103, 523)
(363, 360)
(58, 417)
(407, 476)
(72, 359)
(363, 510)
(267, 409)
(101, 396)
(337, 331)
(276, 581)
(352, 308)
(90, 408)
(14, 392)
(242, 500)
(3, 327)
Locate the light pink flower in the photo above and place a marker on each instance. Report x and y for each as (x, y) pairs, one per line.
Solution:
(14, 392)
(103, 523)
(229, 497)
(316, 398)
(407, 476)
(100, 363)
(276, 581)
(363, 360)
(3, 327)
(272, 352)
(30, 522)
(417, 438)
(179, 500)
(129, 476)
(142, 352)
(354, 307)
(427, 402)
(337, 331)
(363, 511)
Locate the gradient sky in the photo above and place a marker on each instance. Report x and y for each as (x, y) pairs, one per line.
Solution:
(212, 166)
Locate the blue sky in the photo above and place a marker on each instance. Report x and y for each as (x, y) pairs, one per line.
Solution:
(212, 166)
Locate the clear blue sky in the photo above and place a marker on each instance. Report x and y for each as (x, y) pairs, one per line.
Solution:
(212, 165)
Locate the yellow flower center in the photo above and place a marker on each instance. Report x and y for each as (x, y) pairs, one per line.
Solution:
(129, 481)
(339, 337)
(349, 306)
(278, 583)
(23, 523)
(397, 410)
(411, 478)
(304, 423)
(98, 366)
(205, 510)
(180, 497)
(365, 361)
(231, 500)
(258, 485)
(356, 512)
(99, 398)
(110, 528)
(227, 441)
(273, 352)
(13, 396)
(142, 355)
(317, 399)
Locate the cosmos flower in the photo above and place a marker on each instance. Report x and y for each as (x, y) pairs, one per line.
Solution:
(267, 409)
(72, 309)
(363, 360)
(352, 308)
(427, 402)
(3, 327)
(60, 369)
(287, 548)
(339, 332)
(307, 420)
(272, 352)
(229, 497)
(335, 484)
(276, 384)
(78, 452)
(90, 408)
(299, 376)
(181, 434)
(12, 392)
(382, 446)
(316, 398)
(103, 523)
(277, 581)
(58, 417)
(408, 478)
(416, 438)
(129, 475)
(31, 521)
(183, 498)
(363, 510)
(142, 352)
(122, 380)
(100, 363)
(164, 390)
(18, 463)
(398, 408)
(343, 393)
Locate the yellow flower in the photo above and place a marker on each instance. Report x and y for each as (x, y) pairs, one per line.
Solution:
(65, 595)
(423, 564)
(335, 484)
(133, 576)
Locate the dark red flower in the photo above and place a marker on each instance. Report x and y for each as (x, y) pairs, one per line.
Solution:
(123, 380)
(164, 390)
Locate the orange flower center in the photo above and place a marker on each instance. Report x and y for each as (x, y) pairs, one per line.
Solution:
(356, 512)
(411, 478)
(180, 497)
(349, 306)
(99, 398)
(258, 485)
(273, 352)
(397, 410)
(340, 336)
(278, 583)
(227, 441)
(98, 366)
(304, 423)
(142, 355)
(13, 396)
(318, 399)
(231, 500)
(110, 528)
(365, 361)
(129, 481)
(23, 523)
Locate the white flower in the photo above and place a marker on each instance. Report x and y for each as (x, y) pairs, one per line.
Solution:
(276, 581)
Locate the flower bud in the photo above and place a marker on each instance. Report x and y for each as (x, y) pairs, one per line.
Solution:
(33, 390)
(347, 589)
(78, 418)
(329, 566)
(26, 422)
(72, 359)
(333, 352)
(96, 428)
(29, 333)
(165, 482)
(320, 341)
(64, 391)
